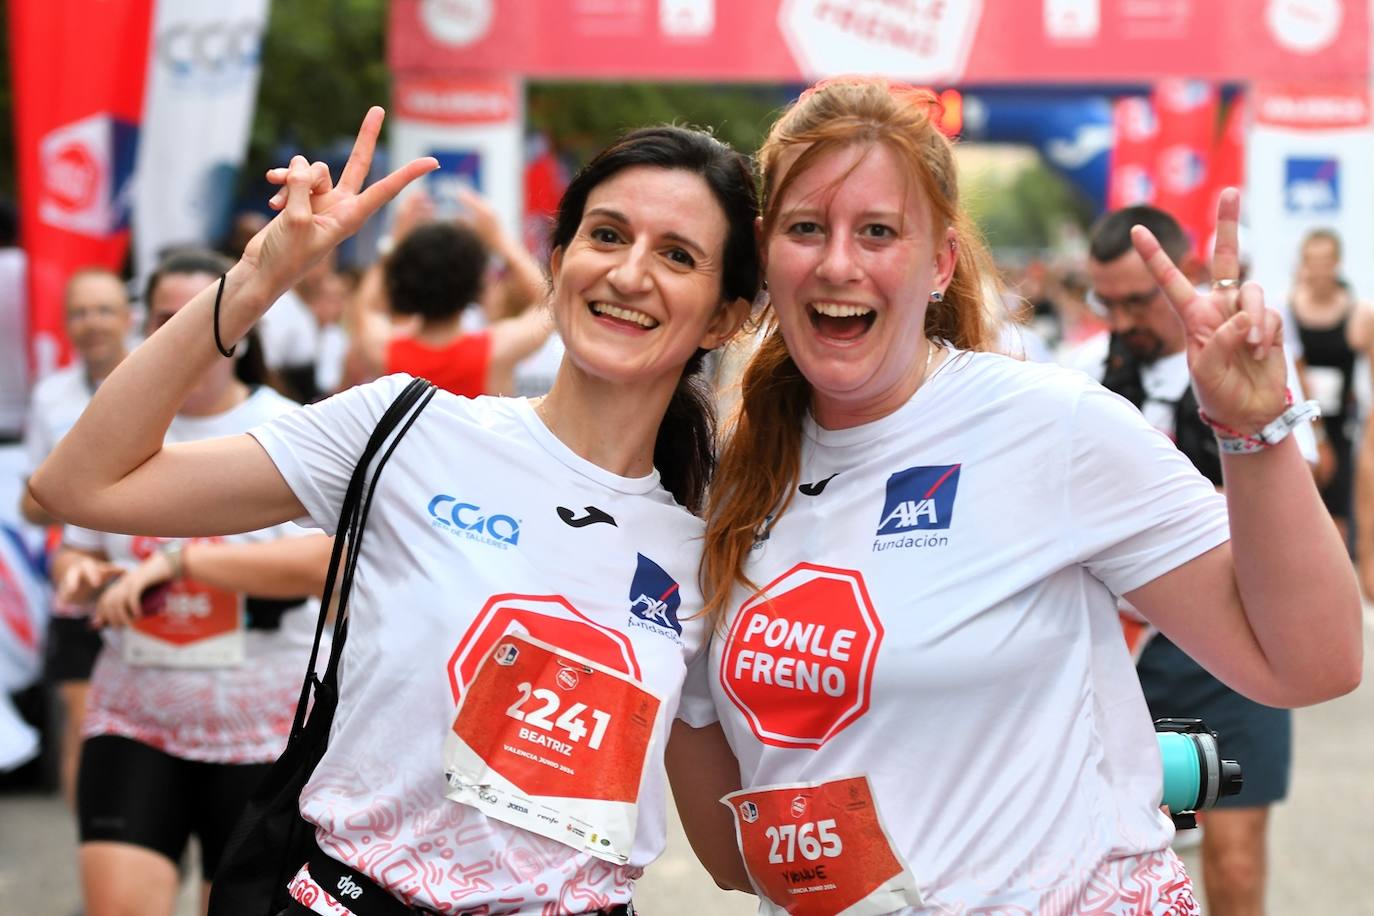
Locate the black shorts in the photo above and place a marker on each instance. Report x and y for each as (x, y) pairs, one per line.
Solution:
(73, 645)
(1259, 738)
(1339, 491)
(128, 792)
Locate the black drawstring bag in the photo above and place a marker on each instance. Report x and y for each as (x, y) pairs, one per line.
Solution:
(271, 840)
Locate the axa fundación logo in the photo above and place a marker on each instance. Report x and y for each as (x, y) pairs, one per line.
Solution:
(919, 500)
(763, 532)
(1312, 186)
(654, 599)
(471, 521)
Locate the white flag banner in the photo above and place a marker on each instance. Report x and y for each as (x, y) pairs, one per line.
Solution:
(1307, 166)
(474, 125)
(198, 108)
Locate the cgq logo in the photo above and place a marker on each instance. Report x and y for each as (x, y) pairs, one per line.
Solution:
(215, 51)
(84, 173)
(470, 520)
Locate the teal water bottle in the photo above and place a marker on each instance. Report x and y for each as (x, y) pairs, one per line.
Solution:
(1195, 776)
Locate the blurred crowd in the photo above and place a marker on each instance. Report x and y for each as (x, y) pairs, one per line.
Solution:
(458, 301)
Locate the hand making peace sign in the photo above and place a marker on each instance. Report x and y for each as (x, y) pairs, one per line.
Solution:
(317, 214)
(1235, 344)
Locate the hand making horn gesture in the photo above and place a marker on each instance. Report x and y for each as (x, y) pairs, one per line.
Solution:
(317, 214)
(1235, 344)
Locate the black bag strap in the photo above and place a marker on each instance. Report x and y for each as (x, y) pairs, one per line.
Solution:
(348, 534)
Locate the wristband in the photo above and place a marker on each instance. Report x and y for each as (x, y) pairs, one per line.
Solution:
(1233, 442)
(171, 552)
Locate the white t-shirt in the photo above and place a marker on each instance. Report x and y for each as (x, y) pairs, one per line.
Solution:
(986, 691)
(14, 357)
(469, 516)
(238, 714)
(54, 408)
(288, 331)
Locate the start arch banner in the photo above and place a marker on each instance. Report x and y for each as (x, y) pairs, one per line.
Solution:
(917, 40)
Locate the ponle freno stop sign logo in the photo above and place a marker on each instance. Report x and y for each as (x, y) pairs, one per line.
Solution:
(550, 618)
(799, 657)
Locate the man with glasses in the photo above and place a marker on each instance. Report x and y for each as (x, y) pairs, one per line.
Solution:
(1144, 359)
(98, 322)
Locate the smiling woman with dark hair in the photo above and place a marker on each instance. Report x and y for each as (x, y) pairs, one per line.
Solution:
(525, 606)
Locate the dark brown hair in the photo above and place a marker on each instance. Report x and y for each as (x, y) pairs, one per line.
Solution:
(684, 452)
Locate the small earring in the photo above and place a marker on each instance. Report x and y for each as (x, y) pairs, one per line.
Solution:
(937, 296)
(761, 299)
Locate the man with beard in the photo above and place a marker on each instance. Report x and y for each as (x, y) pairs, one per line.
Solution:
(1144, 359)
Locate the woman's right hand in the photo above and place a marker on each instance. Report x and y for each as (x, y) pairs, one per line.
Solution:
(317, 214)
(122, 603)
(84, 580)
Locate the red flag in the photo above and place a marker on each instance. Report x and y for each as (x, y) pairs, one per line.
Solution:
(1187, 126)
(1131, 179)
(78, 71)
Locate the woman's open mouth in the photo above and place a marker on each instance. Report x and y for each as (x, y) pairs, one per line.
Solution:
(841, 320)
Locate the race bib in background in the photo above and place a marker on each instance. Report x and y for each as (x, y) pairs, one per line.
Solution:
(1326, 385)
(820, 849)
(187, 625)
(553, 743)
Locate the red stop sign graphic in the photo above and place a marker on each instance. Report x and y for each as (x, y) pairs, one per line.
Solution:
(72, 177)
(799, 657)
(545, 617)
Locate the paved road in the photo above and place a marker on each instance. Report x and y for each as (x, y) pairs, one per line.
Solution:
(1322, 861)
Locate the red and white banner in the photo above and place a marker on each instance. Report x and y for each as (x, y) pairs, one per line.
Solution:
(1307, 166)
(1132, 176)
(202, 88)
(474, 125)
(78, 74)
(1187, 112)
(927, 40)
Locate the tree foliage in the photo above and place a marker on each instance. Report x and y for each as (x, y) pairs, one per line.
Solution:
(1024, 211)
(323, 65)
(581, 118)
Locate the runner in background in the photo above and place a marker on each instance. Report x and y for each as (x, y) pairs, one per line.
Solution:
(206, 643)
(409, 311)
(1335, 328)
(98, 323)
(914, 546)
(1148, 365)
(503, 710)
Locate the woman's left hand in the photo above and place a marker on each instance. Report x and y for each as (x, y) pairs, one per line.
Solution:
(316, 213)
(1235, 344)
(122, 603)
